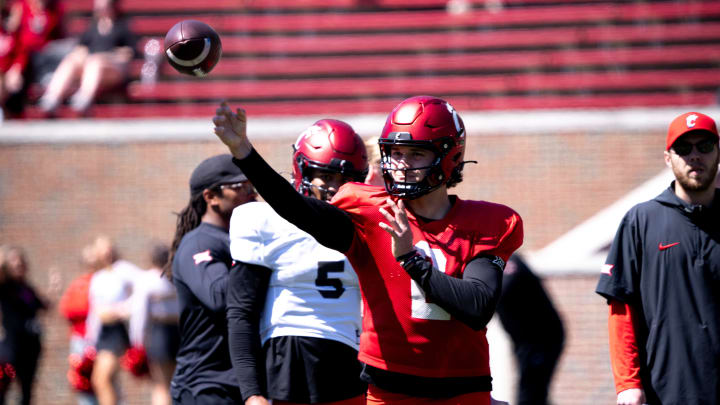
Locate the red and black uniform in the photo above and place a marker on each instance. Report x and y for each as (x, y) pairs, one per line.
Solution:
(422, 335)
(429, 343)
(664, 268)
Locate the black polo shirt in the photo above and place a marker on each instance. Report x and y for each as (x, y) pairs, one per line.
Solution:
(200, 273)
(665, 263)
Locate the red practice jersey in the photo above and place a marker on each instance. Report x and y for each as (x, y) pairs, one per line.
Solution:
(402, 331)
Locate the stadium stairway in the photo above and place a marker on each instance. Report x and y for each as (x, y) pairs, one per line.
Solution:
(292, 57)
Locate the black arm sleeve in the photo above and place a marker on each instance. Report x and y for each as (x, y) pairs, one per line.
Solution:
(472, 299)
(329, 225)
(247, 289)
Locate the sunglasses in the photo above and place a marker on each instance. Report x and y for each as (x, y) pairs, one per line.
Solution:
(683, 148)
(235, 186)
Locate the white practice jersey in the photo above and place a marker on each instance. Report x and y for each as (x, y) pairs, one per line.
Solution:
(313, 290)
(109, 289)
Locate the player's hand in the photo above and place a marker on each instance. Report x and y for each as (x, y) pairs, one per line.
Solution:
(398, 227)
(231, 128)
(257, 400)
(632, 396)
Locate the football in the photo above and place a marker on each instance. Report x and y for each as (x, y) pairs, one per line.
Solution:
(193, 47)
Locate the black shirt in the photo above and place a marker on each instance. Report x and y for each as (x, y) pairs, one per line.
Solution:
(525, 310)
(200, 272)
(19, 305)
(119, 36)
(665, 263)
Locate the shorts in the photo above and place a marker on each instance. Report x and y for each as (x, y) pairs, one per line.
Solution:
(358, 400)
(209, 396)
(311, 370)
(113, 338)
(163, 342)
(378, 396)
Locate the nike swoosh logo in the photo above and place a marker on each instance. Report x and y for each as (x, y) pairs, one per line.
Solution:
(663, 247)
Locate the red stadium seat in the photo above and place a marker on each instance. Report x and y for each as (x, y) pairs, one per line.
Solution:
(311, 56)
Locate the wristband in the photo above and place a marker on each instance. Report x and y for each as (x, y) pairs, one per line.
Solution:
(237, 161)
(402, 258)
(413, 262)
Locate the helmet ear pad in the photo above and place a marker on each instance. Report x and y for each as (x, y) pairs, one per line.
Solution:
(431, 123)
(329, 145)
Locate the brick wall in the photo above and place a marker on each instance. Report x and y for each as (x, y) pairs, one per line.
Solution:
(54, 198)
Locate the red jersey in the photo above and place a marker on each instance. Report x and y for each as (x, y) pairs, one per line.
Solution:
(402, 332)
(75, 303)
(37, 27)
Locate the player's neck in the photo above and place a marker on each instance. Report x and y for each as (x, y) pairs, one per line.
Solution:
(434, 205)
(213, 218)
(702, 197)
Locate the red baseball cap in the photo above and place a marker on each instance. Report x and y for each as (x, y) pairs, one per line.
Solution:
(691, 121)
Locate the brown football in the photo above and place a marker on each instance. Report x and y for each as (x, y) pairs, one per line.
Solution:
(192, 47)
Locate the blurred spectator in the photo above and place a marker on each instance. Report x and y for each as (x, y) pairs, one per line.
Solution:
(528, 316)
(154, 323)
(374, 176)
(99, 62)
(7, 373)
(20, 305)
(110, 288)
(74, 306)
(31, 24)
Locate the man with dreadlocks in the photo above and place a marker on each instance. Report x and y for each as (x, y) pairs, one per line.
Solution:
(199, 263)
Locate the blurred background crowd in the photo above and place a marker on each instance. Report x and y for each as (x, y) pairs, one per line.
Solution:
(137, 307)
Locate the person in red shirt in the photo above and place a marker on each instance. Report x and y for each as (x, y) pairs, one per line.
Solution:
(74, 306)
(429, 263)
(31, 25)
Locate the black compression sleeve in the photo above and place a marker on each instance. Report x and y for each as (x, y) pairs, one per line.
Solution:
(472, 299)
(247, 288)
(331, 226)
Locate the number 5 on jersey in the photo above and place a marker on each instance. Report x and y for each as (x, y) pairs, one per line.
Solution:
(323, 280)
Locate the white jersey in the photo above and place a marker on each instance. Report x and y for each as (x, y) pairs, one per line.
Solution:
(154, 297)
(313, 290)
(109, 290)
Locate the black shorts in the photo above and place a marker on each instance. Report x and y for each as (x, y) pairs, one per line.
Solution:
(163, 341)
(210, 396)
(113, 338)
(311, 370)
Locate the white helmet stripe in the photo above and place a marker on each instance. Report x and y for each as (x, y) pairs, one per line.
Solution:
(192, 62)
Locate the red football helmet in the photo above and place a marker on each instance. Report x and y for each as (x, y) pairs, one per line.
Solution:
(430, 123)
(329, 145)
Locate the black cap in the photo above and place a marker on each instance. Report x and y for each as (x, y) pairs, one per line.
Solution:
(213, 171)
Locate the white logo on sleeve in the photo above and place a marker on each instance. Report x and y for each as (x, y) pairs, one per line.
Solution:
(690, 120)
(202, 257)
